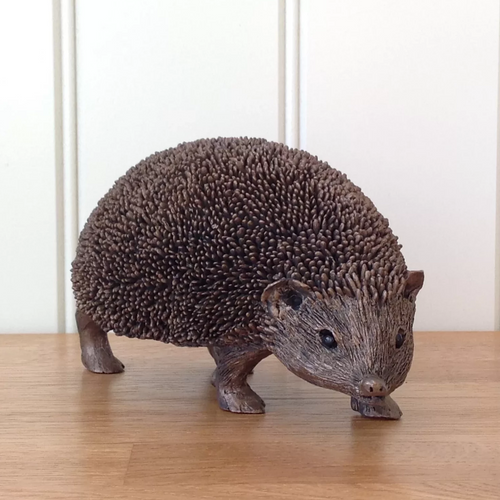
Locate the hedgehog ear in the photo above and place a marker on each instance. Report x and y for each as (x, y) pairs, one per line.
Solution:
(284, 294)
(414, 282)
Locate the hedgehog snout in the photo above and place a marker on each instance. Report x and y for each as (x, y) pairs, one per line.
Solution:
(372, 385)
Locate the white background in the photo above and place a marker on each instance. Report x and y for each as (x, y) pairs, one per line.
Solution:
(401, 96)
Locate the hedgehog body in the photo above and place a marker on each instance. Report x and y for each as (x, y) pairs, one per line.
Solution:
(185, 244)
(182, 247)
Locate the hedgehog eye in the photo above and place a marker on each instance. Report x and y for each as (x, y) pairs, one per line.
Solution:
(328, 339)
(400, 338)
(293, 299)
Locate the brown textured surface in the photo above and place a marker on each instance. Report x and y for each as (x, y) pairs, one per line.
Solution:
(156, 432)
(184, 244)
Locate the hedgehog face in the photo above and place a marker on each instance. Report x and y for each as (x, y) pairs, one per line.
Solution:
(352, 345)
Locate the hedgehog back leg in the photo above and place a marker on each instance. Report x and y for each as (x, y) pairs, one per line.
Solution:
(97, 355)
(234, 364)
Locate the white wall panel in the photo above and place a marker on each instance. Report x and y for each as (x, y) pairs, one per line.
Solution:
(28, 253)
(402, 96)
(154, 73)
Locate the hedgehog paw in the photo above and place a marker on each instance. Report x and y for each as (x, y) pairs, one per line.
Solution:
(240, 400)
(103, 363)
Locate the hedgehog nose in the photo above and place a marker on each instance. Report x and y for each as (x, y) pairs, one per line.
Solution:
(372, 385)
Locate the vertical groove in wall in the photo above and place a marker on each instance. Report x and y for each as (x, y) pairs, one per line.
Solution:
(70, 151)
(497, 226)
(292, 71)
(281, 70)
(59, 165)
(66, 156)
(302, 97)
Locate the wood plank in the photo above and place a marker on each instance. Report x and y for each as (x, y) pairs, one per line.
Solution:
(155, 431)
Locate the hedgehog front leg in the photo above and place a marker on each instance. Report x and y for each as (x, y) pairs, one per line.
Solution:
(234, 364)
(96, 351)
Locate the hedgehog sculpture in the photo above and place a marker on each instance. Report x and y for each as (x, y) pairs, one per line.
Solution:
(249, 248)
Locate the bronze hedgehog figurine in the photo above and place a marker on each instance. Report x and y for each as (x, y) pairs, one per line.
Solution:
(249, 248)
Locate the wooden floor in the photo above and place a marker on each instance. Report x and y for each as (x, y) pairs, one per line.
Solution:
(155, 431)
